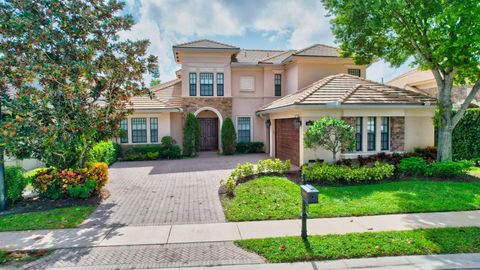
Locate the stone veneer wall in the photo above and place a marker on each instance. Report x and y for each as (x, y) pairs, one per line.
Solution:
(397, 133)
(223, 105)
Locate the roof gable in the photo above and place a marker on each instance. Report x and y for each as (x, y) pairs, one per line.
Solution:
(318, 50)
(205, 44)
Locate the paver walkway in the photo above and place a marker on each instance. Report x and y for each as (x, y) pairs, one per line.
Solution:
(217, 232)
(166, 191)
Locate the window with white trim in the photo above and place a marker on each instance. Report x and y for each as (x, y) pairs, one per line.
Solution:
(278, 85)
(371, 130)
(220, 80)
(193, 84)
(244, 129)
(124, 131)
(154, 130)
(354, 72)
(139, 130)
(385, 133)
(358, 133)
(206, 84)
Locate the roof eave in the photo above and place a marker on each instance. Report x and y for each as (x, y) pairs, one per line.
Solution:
(149, 110)
(346, 106)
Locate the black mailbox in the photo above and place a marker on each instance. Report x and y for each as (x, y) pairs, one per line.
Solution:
(309, 194)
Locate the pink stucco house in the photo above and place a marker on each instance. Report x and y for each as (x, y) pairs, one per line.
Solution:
(272, 96)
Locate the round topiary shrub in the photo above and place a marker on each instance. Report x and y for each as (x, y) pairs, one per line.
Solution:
(229, 137)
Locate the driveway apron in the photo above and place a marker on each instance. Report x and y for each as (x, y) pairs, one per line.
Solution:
(166, 191)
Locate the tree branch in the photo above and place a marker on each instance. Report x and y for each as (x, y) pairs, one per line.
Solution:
(473, 93)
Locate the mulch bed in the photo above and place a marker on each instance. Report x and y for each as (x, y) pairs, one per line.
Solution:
(36, 204)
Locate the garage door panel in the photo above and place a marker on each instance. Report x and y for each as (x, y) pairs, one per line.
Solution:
(287, 140)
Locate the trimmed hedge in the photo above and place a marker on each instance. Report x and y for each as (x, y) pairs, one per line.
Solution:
(466, 136)
(249, 147)
(168, 149)
(328, 173)
(416, 166)
(15, 183)
(107, 152)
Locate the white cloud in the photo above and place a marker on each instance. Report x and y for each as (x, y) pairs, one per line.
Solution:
(296, 24)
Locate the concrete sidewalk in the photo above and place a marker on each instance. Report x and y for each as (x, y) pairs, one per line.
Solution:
(428, 262)
(215, 232)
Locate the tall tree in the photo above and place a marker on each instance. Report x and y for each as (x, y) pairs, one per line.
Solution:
(66, 76)
(155, 77)
(440, 35)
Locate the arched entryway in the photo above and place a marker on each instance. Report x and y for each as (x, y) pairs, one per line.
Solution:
(210, 121)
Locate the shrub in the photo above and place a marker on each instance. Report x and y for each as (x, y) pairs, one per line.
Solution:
(244, 171)
(191, 136)
(427, 153)
(145, 149)
(15, 183)
(448, 169)
(413, 166)
(53, 183)
(104, 152)
(228, 136)
(169, 148)
(249, 147)
(328, 173)
(465, 138)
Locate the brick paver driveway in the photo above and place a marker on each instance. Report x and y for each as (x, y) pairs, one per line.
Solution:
(167, 191)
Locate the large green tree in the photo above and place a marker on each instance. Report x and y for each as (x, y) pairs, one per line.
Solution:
(66, 76)
(440, 35)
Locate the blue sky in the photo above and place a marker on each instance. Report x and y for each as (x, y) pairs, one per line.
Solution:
(249, 24)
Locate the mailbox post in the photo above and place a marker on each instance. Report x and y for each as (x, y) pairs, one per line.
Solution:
(309, 195)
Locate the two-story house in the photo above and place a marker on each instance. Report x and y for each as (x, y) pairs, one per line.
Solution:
(272, 96)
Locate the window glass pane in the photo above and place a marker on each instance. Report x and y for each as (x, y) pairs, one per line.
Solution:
(124, 130)
(354, 72)
(385, 129)
(371, 128)
(243, 129)
(278, 85)
(219, 84)
(358, 133)
(139, 130)
(193, 84)
(154, 130)
(206, 84)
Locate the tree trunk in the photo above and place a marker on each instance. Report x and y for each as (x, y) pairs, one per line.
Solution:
(334, 157)
(444, 144)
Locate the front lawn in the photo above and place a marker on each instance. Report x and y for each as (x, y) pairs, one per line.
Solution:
(57, 218)
(268, 198)
(374, 244)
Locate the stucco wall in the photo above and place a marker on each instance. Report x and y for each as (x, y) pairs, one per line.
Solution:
(176, 127)
(26, 164)
(419, 132)
(309, 72)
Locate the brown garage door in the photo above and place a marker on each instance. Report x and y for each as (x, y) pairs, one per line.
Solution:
(287, 140)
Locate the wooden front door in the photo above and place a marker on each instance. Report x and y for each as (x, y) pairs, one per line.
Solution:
(208, 134)
(287, 141)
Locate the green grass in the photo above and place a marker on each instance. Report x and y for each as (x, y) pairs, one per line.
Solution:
(267, 198)
(68, 217)
(373, 244)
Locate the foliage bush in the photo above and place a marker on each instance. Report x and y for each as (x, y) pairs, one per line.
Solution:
(413, 166)
(54, 183)
(446, 169)
(106, 151)
(15, 183)
(191, 136)
(328, 173)
(247, 170)
(228, 136)
(249, 147)
(169, 148)
(465, 136)
(416, 166)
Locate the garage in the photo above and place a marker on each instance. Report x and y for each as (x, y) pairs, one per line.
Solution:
(287, 140)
